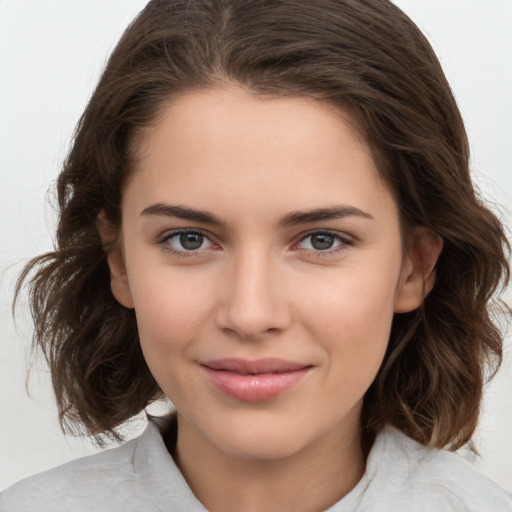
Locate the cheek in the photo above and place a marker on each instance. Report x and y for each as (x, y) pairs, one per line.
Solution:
(171, 310)
(357, 300)
(352, 319)
(171, 314)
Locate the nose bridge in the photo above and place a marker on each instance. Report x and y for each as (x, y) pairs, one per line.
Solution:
(253, 301)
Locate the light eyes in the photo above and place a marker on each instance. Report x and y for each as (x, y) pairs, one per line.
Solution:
(320, 241)
(193, 243)
(184, 241)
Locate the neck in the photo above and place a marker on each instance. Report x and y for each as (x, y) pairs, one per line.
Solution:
(314, 478)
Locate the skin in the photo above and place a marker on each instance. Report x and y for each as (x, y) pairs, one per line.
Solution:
(260, 287)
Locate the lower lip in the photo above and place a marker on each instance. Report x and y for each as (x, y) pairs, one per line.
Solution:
(254, 388)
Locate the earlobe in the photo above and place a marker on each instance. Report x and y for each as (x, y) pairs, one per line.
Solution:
(418, 273)
(118, 277)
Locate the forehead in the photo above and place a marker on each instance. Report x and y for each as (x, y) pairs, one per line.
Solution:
(226, 147)
(259, 118)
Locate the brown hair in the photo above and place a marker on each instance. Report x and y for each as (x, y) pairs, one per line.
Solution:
(363, 56)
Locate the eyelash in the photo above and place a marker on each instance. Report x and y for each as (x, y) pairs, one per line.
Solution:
(343, 241)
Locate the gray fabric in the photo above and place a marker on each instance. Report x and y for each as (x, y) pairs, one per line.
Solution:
(401, 475)
(404, 476)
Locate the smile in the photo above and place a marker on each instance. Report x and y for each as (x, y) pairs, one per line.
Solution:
(254, 381)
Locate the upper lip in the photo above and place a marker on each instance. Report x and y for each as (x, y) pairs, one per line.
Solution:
(265, 365)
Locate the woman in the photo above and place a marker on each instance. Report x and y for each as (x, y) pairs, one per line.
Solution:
(267, 216)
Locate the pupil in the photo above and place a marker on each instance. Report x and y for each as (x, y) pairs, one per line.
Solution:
(191, 241)
(322, 241)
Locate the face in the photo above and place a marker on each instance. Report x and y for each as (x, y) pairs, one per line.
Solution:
(262, 254)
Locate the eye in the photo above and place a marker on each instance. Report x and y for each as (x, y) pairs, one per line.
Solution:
(185, 240)
(323, 241)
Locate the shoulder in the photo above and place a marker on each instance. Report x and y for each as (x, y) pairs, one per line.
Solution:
(83, 484)
(417, 478)
(138, 475)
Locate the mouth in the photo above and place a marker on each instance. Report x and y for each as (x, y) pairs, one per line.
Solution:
(254, 381)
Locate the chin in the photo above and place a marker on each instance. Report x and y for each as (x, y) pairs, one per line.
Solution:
(260, 436)
(260, 446)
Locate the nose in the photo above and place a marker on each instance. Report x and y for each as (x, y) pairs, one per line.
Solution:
(253, 301)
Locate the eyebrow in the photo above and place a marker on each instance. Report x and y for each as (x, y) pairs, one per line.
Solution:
(319, 214)
(182, 212)
(290, 219)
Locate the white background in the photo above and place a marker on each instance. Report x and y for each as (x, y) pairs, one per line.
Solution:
(51, 53)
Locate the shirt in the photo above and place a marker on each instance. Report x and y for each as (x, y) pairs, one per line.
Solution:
(140, 475)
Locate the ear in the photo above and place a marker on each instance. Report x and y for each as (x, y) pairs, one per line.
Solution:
(418, 274)
(118, 278)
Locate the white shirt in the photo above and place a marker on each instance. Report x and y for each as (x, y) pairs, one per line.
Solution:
(401, 476)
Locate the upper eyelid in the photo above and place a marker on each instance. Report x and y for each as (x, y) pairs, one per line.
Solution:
(342, 235)
(166, 235)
